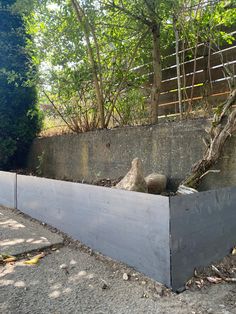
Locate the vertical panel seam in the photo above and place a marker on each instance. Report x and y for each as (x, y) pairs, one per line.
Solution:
(15, 192)
(170, 243)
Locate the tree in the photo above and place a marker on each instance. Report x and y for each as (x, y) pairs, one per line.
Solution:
(211, 23)
(86, 64)
(90, 53)
(151, 15)
(19, 118)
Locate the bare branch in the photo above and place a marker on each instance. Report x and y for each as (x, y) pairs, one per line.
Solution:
(58, 111)
(120, 86)
(112, 5)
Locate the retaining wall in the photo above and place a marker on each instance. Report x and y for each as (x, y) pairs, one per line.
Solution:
(165, 238)
(203, 230)
(169, 148)
(8, 189)
(133, 228)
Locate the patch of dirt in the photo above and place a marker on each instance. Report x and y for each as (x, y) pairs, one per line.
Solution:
(107, 182)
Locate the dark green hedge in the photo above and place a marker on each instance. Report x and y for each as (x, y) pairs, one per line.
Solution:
(19, 117)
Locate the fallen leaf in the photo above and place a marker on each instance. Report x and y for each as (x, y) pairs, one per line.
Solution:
(6, 258)
(199, 283)
(10, 259)
(35, 259)
(214, 279)
(4, 255)
(234, 251)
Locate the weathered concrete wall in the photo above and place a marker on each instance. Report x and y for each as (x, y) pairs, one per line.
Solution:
(169, 148)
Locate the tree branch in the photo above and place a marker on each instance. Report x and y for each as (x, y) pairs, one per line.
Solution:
(112, 5)
(58, 111)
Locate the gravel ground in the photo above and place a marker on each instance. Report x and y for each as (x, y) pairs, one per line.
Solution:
(72, 279)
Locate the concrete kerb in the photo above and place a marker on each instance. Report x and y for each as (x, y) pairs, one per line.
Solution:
(165, 238)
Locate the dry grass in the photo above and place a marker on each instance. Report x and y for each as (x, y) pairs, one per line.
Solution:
(54, 126)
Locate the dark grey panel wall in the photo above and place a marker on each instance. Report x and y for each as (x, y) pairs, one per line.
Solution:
(133, 227)
(203, 230)
(128, 226)
(7, 189)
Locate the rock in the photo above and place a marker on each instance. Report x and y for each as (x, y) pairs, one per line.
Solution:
(63, 266)
(156, 183)
(145, 295)
(159, 289)
(125, 276)
(134, 179)
(104, 285)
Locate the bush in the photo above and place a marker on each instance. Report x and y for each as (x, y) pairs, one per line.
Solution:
(19, 116)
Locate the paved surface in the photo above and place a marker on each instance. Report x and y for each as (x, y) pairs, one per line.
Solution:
(19, 235)
(70, 280)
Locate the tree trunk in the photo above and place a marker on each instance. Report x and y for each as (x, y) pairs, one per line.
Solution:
(99, 93)
(219, 133)
(156, 86)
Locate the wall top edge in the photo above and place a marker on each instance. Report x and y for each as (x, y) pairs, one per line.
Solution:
(96, 187)
(228, 189)
(7, 173)
(162, 125)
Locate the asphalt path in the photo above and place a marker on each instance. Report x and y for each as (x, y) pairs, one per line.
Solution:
(72, 279)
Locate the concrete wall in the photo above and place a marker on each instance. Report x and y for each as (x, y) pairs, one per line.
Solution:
(169, 148)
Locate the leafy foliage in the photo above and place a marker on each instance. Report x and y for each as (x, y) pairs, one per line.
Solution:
(19, 117)
(101, 57)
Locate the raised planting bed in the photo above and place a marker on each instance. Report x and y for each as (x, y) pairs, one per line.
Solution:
(8, 189)
(164, 237)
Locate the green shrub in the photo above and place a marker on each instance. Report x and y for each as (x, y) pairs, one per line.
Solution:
(19, 116)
